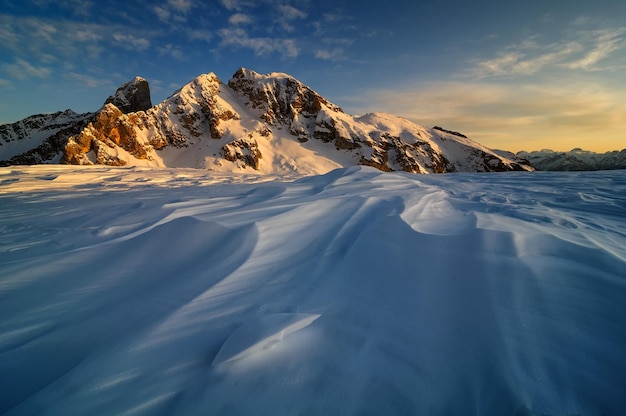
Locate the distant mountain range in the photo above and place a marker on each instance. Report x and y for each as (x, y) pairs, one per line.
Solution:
(256, 123)
(575, 160)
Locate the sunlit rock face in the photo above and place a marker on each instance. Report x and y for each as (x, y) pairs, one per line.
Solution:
(110, 129)
(269, 123)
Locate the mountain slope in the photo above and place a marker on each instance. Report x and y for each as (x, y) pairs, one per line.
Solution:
(39, 138)
(43, 138)
(268, 124)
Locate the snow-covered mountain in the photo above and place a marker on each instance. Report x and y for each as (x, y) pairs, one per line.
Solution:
(39, 138)
(43, 138)
(267, 124)
(575, 160)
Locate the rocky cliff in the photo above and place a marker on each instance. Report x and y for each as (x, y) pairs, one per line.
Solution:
(45, 138)
(132, 96)
(40, 138)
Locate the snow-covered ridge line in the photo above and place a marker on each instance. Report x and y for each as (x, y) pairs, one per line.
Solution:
(575, 160)
(267, 124)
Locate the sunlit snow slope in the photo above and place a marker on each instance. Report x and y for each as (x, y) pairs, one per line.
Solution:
(157, 292)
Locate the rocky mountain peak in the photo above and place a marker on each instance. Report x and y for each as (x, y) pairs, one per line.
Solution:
(198, 105)
(269, 123)
(131, 97)
(201, 88)
(280, 97)
(109, 135)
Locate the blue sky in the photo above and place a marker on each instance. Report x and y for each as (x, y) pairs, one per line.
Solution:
(512, 75)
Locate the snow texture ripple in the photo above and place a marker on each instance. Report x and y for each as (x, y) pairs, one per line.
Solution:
(176, 291)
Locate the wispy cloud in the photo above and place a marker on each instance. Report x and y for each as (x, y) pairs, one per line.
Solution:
(333, 49)
(328, 54)
(90, 81)
(162, 13)
(86, 35)
(527, 61)
(8, 36)
(331, 23)
(172, 51)
(290, 48)
(276, 26)
(605, 42)
(61, 41)
(199, 34)
(290, 12)
(131, 42)
(239, 19)
(230, 4)
(182, 6)
(286, 15)
(174, 10)
(63, 46)
(580, 50)
(22, 69)
(331, 54)
(237, 37)
(237, 4)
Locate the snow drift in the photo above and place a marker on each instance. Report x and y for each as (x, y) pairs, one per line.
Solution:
(136, 291)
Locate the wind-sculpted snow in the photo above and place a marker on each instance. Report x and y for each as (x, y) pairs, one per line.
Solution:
(174, 291)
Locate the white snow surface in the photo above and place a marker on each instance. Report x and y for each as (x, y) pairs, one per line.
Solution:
(178, 291)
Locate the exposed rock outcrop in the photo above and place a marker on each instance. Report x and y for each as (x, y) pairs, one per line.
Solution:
(280, 97)
(245, 150)
(193, 112)
(110, 129)
(131, 97)
(46, 137)
(39, 138)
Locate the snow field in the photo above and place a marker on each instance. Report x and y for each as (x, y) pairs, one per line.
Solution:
(175, 291)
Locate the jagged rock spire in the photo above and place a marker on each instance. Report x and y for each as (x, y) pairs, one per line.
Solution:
(131, 97)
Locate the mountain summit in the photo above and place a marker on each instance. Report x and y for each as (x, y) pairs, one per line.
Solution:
(257, 123)
(132, 96)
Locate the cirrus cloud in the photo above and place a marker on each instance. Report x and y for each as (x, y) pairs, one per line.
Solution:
(22, 70)
(581, 50)
(239, 19)
(237, 37)
(130, 41)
